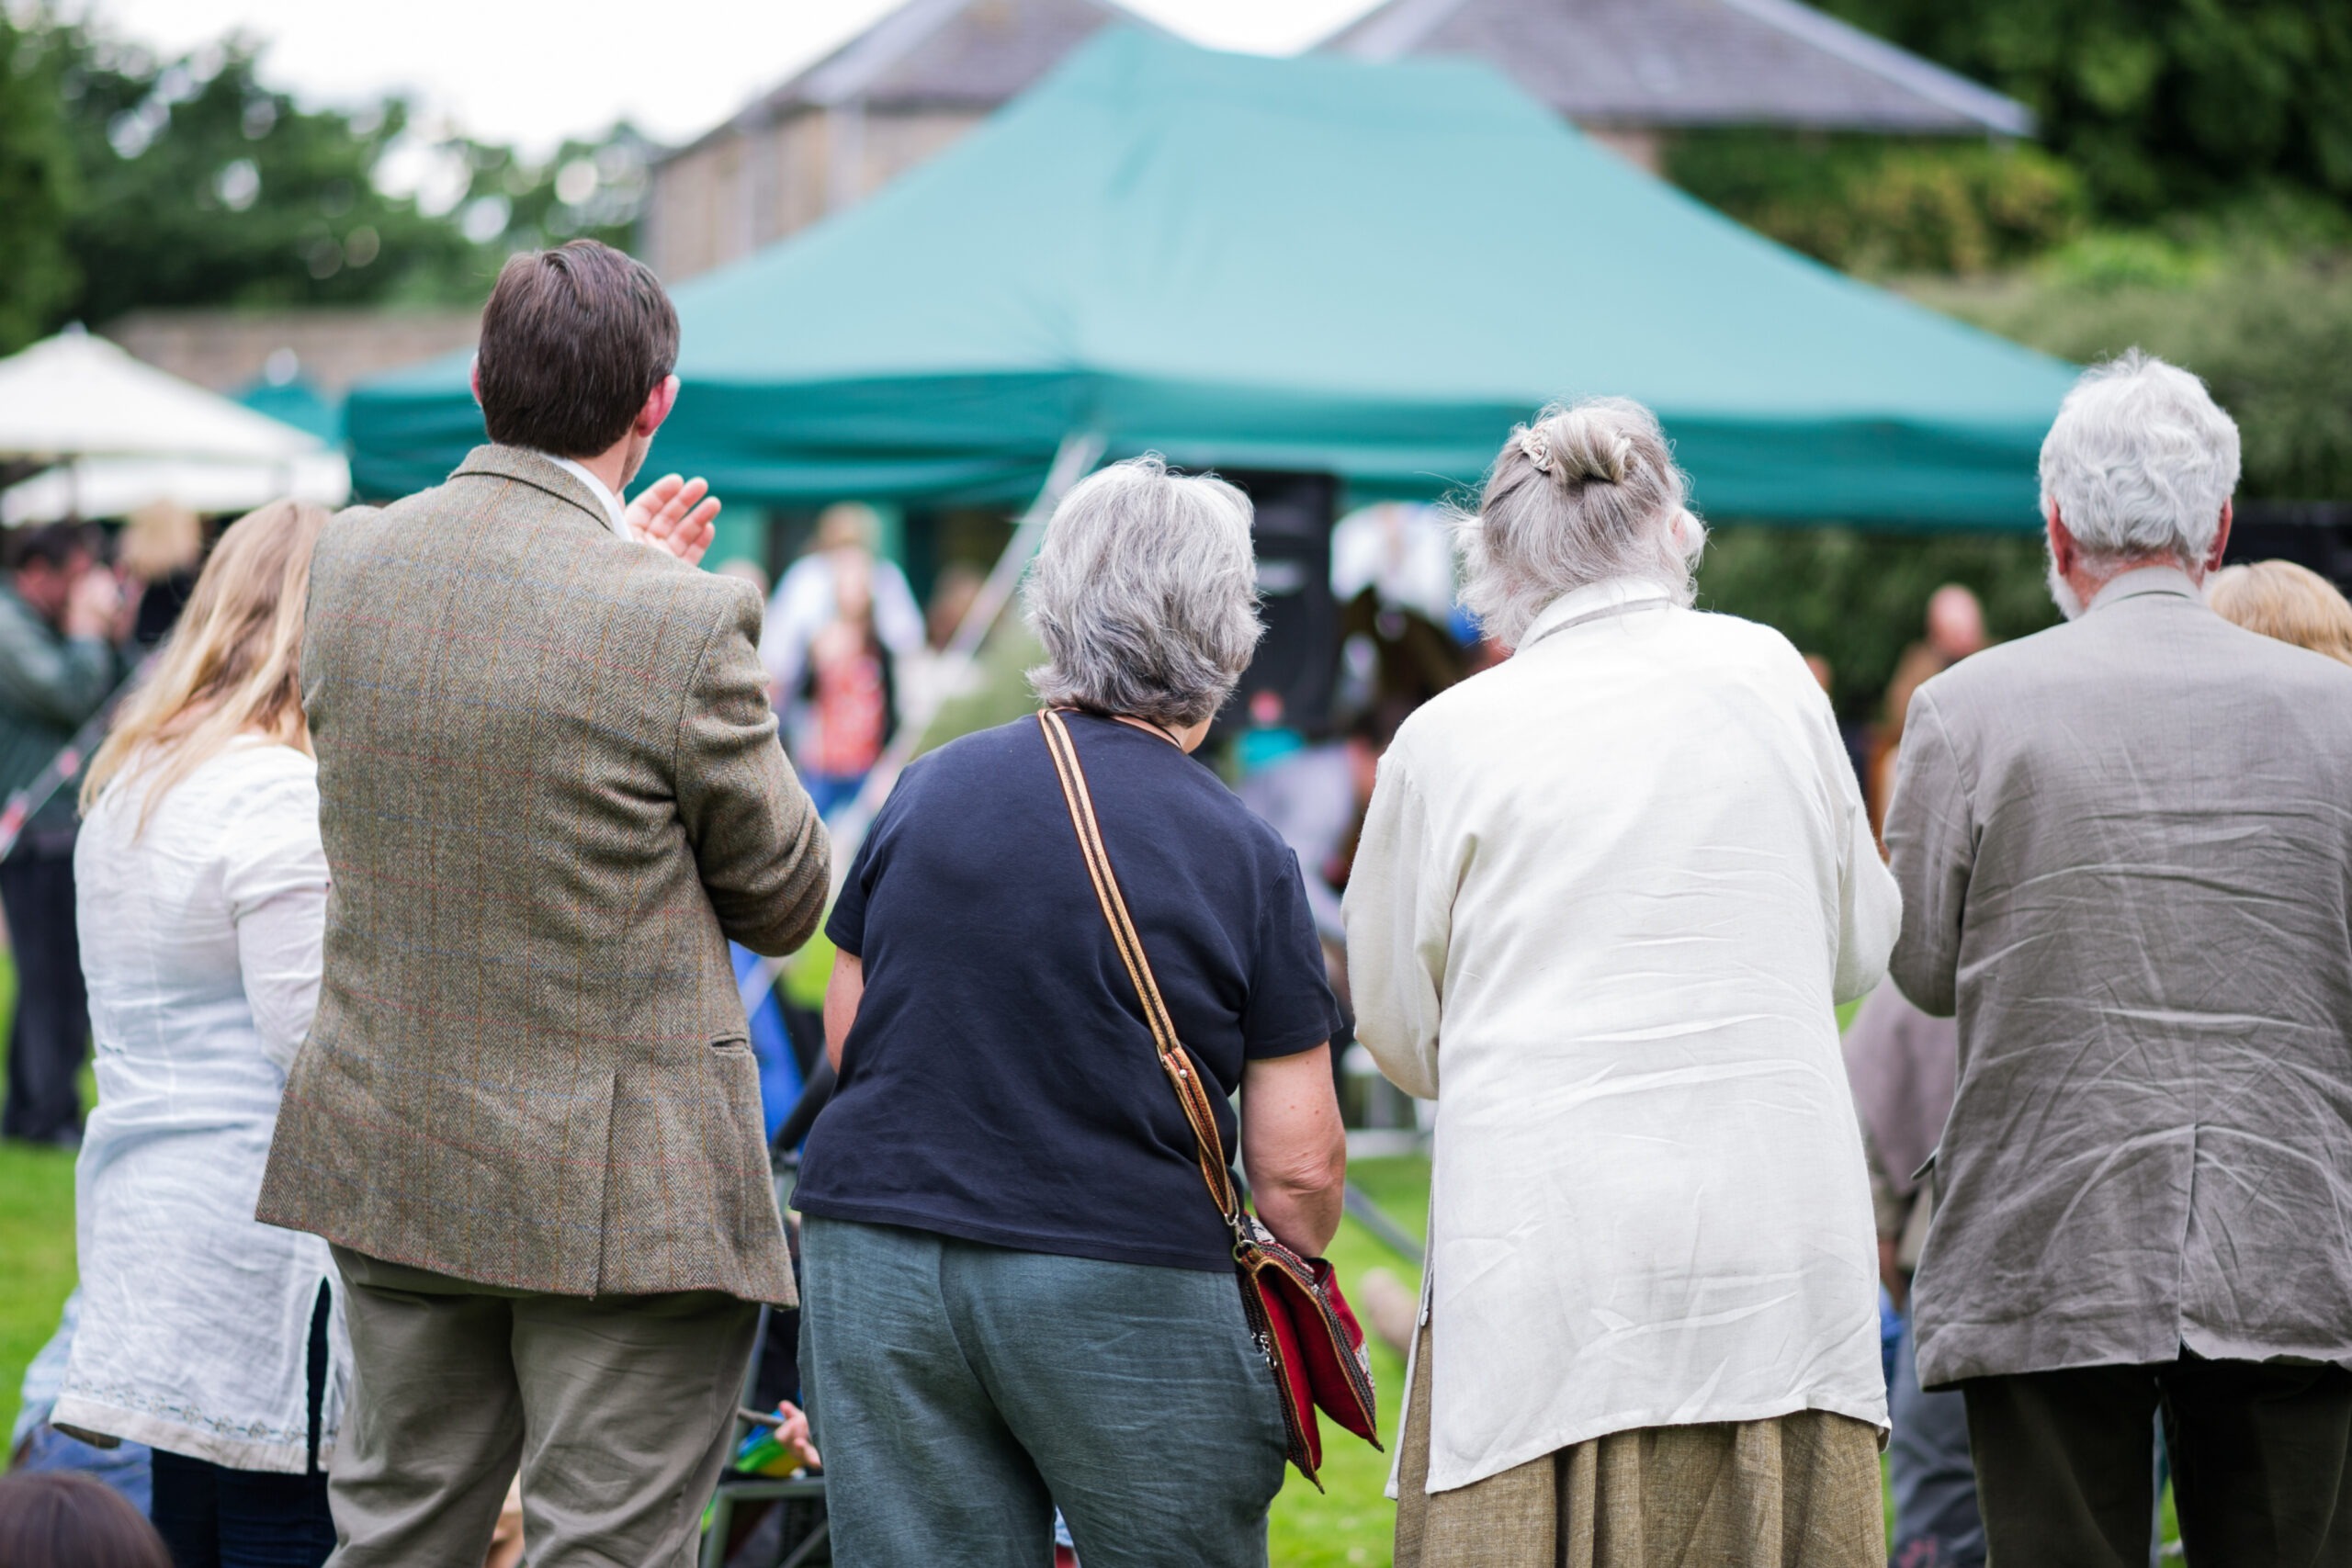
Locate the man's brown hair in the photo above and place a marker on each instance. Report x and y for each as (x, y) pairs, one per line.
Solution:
(572, 342)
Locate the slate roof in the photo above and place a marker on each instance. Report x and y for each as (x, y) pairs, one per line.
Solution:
(1615, 62)
(942, 54)
(1679, 62)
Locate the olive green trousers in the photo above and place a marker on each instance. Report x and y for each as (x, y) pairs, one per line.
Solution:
(1801, 1491)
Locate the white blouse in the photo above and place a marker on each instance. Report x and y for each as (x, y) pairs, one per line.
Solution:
(200, 941)
(1607, 898)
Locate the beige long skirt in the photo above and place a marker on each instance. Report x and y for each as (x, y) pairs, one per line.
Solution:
(1798, 1491)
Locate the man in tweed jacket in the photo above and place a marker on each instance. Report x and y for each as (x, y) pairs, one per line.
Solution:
(527, 1116)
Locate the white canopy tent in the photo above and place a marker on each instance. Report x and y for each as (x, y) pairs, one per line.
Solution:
(124, 433)
(117, 487)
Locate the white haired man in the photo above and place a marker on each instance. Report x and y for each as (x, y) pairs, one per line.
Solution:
(2125, 849)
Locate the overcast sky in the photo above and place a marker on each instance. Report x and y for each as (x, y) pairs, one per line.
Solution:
(507, 71)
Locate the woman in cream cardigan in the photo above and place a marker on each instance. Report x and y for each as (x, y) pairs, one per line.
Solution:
(1607, 898)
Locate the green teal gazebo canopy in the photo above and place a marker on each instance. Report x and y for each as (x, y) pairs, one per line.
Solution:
(1309, 264)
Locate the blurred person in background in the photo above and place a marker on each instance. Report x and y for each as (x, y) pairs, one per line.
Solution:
(205, 1335)
(162, 545)
(743, 571)
(2291, 602)
(1902, 1064)
(57, 1520)
(808, 597)
(2126, 865)
(34, 1444)
(1955, 630)
(61, 616)
(1607, 899)
(952, 594)
(840, 717)
(1019, 1291)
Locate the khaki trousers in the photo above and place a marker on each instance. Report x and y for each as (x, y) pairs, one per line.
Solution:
(617, 1408)
(1798, 1491)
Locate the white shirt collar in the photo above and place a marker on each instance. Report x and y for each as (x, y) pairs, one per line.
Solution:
(2147, 579)
(1593, 599)
(612, 513)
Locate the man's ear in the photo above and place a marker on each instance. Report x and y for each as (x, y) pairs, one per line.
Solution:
(2221, 537)
(658, 405)
(474, 378)
(2064, 551)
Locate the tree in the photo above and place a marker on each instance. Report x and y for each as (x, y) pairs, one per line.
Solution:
(199, 187)
(2158, 103)
(36, 187)
(131, 181)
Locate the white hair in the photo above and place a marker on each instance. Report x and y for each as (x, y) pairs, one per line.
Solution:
(1144, 594)
(2140, 462)
(1587, 492)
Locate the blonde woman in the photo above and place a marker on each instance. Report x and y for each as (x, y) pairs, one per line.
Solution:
(2289, 603)
(204, 1334)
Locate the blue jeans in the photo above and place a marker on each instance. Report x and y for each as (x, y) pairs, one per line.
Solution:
(212, 1516)
(960, 1391)
(1927, 1462)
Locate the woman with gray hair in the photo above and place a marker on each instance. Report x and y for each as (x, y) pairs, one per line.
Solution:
(1607, 897)
(1018, 1293)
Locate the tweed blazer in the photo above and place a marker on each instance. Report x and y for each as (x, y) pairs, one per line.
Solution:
(550, 790)
(2125, 849)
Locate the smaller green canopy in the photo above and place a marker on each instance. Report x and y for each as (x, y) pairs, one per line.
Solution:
(1308, 264)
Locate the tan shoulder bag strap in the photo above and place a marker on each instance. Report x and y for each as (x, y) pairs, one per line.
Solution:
(1174, 1061)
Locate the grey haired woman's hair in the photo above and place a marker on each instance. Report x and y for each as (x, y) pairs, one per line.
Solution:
(1144, 594)
(1586, 492)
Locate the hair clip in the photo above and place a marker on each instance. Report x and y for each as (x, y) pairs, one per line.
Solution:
(1538, 450)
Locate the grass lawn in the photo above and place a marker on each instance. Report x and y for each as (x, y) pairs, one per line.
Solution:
(1352, 1522)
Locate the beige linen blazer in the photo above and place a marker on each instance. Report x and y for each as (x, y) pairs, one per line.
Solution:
(550, 790)
(2125, 849)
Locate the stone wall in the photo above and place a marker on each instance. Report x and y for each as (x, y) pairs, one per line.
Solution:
(745, 187)
(228, 350)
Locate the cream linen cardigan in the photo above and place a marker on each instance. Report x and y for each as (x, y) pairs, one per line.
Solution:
(1607, 898)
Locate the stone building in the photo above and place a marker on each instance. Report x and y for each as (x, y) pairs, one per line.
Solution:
(1630, 71)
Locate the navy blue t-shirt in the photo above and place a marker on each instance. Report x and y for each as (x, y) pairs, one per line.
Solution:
(1000, 1083)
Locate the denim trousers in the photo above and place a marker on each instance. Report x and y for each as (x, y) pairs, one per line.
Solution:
(50, 1037)
(960, 1392)
(1927, 1463)
(213, 1516)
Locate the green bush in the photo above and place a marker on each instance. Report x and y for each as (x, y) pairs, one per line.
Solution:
(1871, 204)
(1857, 599)
(2270, 332)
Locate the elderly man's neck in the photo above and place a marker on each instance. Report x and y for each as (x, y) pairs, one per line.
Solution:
(2085, 578)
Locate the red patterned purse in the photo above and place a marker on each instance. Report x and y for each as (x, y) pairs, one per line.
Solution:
(1296, 1312)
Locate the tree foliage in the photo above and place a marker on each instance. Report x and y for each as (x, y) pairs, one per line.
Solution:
(199, 187)
(1858, 599)
(130, 180)
(1873, 205)
(2271, 335)
(37, 271)
(2158, 103)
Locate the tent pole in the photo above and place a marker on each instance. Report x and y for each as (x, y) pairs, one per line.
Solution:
(1073, 460)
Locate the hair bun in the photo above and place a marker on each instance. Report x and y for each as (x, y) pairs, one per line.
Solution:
(1585, 447)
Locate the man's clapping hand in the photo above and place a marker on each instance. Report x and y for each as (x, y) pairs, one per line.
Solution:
(674, 515)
